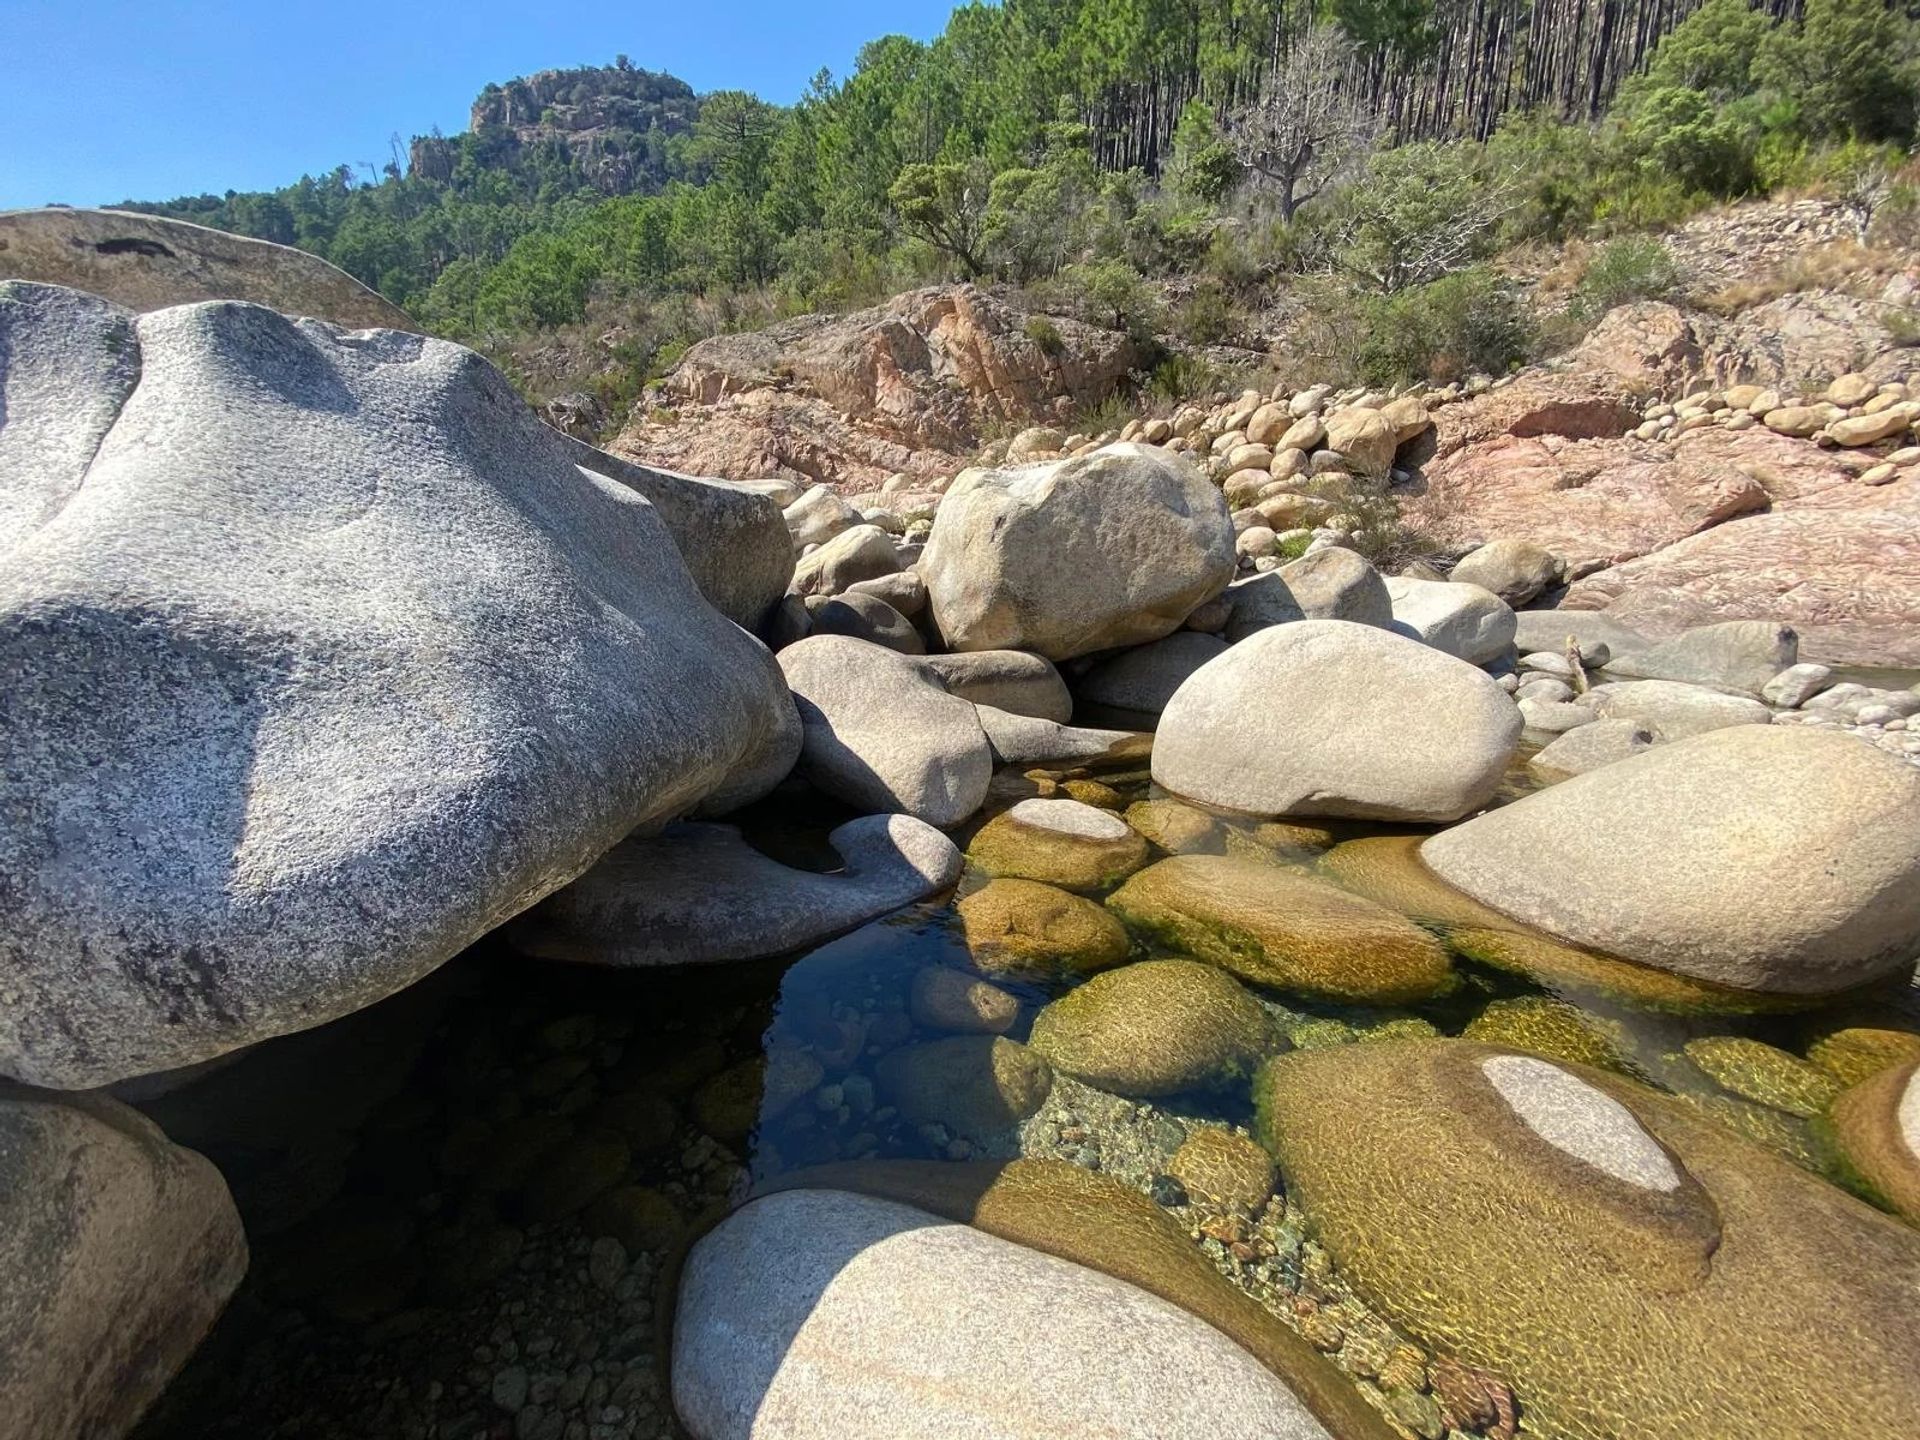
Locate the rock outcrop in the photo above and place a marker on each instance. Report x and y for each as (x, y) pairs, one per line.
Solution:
(324, 657)
(147, 262)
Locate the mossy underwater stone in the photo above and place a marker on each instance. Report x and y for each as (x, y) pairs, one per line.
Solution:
(1023, 929)
(1176, 827)
(1157, 1027)
(1059, 842)
(1220, 1168)
(1389, 869)
(1099, 1222)
(1284, 928)
(1756, 1071)
(1853, 1052)
(975, 1085)
(1633, 1268)
(1542, 1025)
(1876, 1128)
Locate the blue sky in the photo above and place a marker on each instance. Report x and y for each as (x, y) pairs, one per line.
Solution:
(101, 102)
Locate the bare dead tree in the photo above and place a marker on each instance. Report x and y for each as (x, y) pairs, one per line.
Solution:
(1312, 120)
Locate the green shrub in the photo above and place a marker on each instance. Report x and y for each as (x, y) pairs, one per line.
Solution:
(1635, 268)
(1044, 333)
(1208, 316)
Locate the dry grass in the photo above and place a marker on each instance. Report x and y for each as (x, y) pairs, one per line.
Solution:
(1843, 265)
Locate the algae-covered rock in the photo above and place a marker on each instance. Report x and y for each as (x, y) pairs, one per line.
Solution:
(1785, 1135)
(945, 999)
(728, 1105)
(1281, 840)
(1033, 931)
(1389, 869)
(1220, 1168)
(1633, 1268)
(975, 1085)
(1541, 1025)
(1102, 1224)
(1764, 1073)
(1059, 842)
(1876, 1126)
(1855, 1052)
(1283, 928)
(1176, 827)
(1155, 1028)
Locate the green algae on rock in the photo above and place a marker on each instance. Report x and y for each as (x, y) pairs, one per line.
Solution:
(1541, 1025)
(1059, 842)
(1096, 1221)
(1876, 1128)
(1388, 869)
(1220, 1168)
(1157, 1027)
(1283, 928)
(1756, 1071)
(1023, 929)
(1853, 1052)
(976, 1085)
(1633, 1268)
(1177, 827)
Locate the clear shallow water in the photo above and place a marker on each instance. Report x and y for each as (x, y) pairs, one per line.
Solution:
(431, 1187)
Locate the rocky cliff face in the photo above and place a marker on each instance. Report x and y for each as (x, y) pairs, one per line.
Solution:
(903, 387)
(612, 120)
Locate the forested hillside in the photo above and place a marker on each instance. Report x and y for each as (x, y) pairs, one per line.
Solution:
(1099, 149)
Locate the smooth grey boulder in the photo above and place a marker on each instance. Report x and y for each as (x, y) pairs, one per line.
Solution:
(881, 733)
(697, 893)
(817, 516)
(904, 590)
(864, 617)
(1025, 740)
(151, 262)
(825, 1315)
(1130, 689)
(1739, 655)
(1333, 583)
(1549, 629)
(1674, 710)
(331, 661)
(1588, 747)
(730, 537)
(1463, 621)
(1763, 857)
(1515, 570)
(1554, 717)
(1016, 681)
(1325, 717)
(862, 552)
(1796, 685)
(1109, 549)
(120, 1250)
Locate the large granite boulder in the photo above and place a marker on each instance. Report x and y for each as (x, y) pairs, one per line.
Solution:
(1630, 1265)
(323, 657)
(1109, 549)
(1016, 681)
(149, 262)
(1330, 584)
(1515, 570)
(882, 733)
(1742, 655)
(827, 1315)
(1761, 857)
(1462, 620)
(119, 1249)
(1325, 717)
(1673, 709)
(698, 893)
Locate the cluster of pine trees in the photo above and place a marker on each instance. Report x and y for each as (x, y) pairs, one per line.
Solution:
(1097, 144)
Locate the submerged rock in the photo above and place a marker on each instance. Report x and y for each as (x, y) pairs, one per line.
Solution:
(978, 1086)
(1177, 828)
(1109, 549)
(1763, 1073)
(1033, 931)
(1157, 1027)
(1323, 717)
(324, 657)
(1632, 1268)
(120, 1251)
(832, 1314)
(697, 893)
(1284, 928)
(1059, 842)
(1876, 1126)
(1542, 1025)
(951, 1000)
(879, 733)
(1760, 857)
(1222, 1169)
(1852, 1052)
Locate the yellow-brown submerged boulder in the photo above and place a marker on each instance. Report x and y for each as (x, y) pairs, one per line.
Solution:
(1876, 1126)
(1633, 1268)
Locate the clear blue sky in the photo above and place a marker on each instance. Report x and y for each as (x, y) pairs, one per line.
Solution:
(148, 99)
